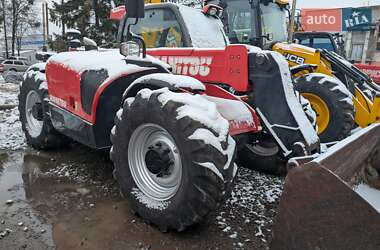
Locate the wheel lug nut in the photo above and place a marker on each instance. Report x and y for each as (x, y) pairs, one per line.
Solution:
(158, 144)
(150, 147)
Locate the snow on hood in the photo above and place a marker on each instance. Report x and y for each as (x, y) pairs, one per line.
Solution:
(111, 60)
(205, 32)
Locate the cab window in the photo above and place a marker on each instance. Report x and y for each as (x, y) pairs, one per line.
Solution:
(323, 43)
(8, 62)
(305, 42)
(159, 28)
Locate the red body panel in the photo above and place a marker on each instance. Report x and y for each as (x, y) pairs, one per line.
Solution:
(64, 89)
(372, 70)
(235, 127)
(223, 66)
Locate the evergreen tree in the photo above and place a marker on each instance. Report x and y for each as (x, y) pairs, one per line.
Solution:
(90, 17)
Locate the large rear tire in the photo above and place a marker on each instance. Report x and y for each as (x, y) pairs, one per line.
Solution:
(332, 102)
(263, 156)
(173, 157)
(34, 113)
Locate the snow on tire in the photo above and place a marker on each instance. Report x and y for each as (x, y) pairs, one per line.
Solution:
(34, 117)
(332, 102)
(173, 157)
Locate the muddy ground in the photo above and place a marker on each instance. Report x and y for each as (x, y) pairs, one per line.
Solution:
(67, 199)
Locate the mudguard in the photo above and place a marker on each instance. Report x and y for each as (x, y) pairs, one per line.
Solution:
(163, 80)
(242, 118)
(274, 99)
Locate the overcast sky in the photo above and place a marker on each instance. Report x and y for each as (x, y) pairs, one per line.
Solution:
(335, 3)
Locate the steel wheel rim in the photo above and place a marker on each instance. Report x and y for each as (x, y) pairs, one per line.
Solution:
(153, 186)
(33, 125)
(321, 109)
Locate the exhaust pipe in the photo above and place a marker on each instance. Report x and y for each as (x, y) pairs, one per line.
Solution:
(333, 201)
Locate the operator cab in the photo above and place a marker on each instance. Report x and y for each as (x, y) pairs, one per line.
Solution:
(257, 23)
(176, 26)
(321, 40)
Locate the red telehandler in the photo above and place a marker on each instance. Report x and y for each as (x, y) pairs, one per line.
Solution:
(173, 137)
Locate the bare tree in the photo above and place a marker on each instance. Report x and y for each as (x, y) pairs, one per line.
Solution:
(25, 24)
(19, 16)
(5, 28)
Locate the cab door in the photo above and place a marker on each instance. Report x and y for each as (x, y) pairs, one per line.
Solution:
(162, 26)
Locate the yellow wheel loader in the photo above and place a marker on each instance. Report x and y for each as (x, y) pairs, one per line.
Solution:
(365, 93)
(327, 80)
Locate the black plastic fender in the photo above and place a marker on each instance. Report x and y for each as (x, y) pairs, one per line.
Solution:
(274, 99)
(163, 80)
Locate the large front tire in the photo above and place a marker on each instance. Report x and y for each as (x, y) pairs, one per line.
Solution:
(173, 157)
(34, 113)
(332, 102)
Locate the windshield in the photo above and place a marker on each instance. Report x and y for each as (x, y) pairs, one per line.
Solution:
(238, 22)
(274, 22)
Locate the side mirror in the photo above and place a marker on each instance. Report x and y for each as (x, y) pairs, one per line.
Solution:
(135, 8)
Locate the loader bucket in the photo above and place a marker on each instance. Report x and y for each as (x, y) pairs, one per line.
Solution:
(333, 201)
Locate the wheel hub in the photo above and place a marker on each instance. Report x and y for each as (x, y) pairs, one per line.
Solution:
(155, 162)
(158, 160)
(321, 109)
(37, 111)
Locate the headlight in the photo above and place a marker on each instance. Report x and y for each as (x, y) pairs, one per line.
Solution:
(130, 48)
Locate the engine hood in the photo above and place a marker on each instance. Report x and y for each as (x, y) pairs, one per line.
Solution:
(294, 48)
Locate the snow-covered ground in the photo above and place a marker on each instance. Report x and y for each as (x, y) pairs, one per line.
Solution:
(253, 205)
(11, 135)
(8, 93)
